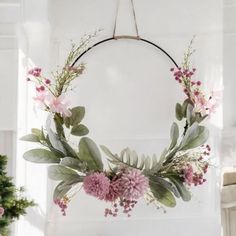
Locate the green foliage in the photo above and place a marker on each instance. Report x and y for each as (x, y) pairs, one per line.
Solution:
(178, 112)
(174, 134)
(64, 187)
(162, 193)
(130, 159)
(60, 172)
(183, 191)
(10, 199)
(41, 156)
(90, 154)
(79, 130)
(195, 136)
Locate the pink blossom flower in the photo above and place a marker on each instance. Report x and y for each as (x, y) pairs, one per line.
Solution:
(97, 185)
(59, 105)
(131, 185)
(35, 71)
(41, 98)
(1, 212)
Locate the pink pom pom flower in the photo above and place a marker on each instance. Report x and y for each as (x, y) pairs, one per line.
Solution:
(131, 185)
(97, 185)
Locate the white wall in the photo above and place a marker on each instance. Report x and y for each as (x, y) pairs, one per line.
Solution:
(229, 49)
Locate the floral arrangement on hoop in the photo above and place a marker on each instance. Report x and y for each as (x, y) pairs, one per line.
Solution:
(129, 177)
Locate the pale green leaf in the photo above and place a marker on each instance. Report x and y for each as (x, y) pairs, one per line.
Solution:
(59, 172)
(89, 153)
(30, 138)
(162, 194)
(41, 156)
(195, 136)
(77, 116)
(174, 134)
(79, 130)
(178, 112)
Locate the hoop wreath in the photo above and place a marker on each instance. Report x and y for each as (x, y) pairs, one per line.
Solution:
(159, 179)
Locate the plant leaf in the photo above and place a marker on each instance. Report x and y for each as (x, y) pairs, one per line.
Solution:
(168, 185)
(59, 172)
(79, 130)
(53, 137)
(189, 113)
(41, 156)
(30, 138)
(178, 112)
(162, 194)
(71, 162)
(184, 193)
(69, 150)
(174, 134)
(63, 188)
(195, 136)
(89, 153)
(77, 116)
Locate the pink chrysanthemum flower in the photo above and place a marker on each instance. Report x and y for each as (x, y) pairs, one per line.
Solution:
(97, 185)
(1, 212)
(131, 185)
(113, 193)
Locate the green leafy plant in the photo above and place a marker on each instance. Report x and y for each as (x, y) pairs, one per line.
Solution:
(11, 200)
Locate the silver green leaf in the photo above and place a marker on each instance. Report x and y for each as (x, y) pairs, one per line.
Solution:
(30, 138)
(174, 134)
(189, 113)
(71, 162)
(77, 116)
(53, 137)
(59, 172)
(79, 130)
(89, 153)
(178, 112)
(184, 192)
(63, 188)
(41, 156)
(162, 194)
(195, 136)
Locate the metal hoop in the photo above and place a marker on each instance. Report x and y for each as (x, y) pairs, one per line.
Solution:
(125, 37)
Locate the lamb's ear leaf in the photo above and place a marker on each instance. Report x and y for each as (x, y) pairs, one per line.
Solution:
(89, 153)
(178, 112)
(184, 192)
(195, 136)
(162, 194)
(79, 130)
(53, 137)
(30, 138)
(174, 134)
(39, 155)
(60, 172)
(72, 163)
(61, 190)
(77, 116)
(64, 187)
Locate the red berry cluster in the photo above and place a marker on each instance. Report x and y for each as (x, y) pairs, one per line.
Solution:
(126, 205)
(36, 72)
(62, 203)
